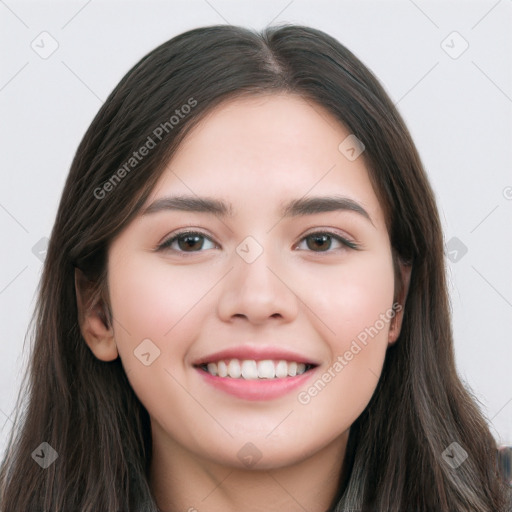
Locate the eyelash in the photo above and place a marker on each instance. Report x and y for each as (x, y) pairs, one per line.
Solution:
(167, 243)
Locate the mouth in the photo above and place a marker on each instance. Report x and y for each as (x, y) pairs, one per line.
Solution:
(253, 369)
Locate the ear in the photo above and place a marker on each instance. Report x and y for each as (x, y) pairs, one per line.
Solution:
(93, 320)
(399, 304)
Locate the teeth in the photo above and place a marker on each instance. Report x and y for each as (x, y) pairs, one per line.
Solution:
(266, 369)
(281, 369)
(222, 369)
(234, 369)
(250, 369)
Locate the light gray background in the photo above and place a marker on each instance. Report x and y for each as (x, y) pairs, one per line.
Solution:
(458, 110)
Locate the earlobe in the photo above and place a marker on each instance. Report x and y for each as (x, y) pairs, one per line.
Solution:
(399, 305)
(93, 321)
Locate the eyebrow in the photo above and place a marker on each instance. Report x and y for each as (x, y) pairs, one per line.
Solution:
(295, 208)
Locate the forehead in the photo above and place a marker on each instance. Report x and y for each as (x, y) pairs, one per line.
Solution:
(262, 126)
(261, 150)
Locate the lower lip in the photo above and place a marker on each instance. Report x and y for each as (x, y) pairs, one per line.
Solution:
(256, 389)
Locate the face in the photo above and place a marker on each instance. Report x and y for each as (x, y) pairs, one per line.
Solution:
(280, 281)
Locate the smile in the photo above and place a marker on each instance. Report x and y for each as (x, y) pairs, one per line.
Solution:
(250, 369)
(250, 379)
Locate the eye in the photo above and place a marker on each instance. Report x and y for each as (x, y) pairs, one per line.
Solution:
(193, 241)
(322, 241)
(188, 241)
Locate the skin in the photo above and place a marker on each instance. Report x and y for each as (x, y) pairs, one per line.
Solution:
(255, 153)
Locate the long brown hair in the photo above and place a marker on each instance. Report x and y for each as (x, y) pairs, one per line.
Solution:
(86, 410)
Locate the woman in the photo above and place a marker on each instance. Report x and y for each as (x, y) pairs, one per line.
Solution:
(244, 304)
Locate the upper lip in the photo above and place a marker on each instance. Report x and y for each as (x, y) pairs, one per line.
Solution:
(255, 353)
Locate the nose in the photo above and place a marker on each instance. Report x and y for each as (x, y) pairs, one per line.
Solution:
(258, 291)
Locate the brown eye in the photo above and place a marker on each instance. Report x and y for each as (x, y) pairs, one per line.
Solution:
(323, 242)
(187, 242)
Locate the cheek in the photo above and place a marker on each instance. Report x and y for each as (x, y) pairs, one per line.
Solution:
(354, 306)
(151, 300)
(351, 297)
(156, 301)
